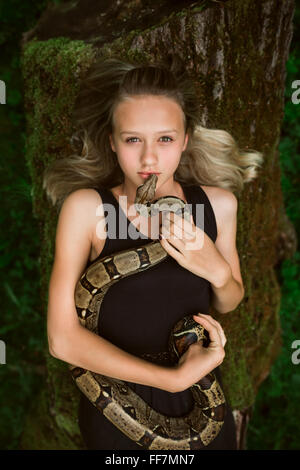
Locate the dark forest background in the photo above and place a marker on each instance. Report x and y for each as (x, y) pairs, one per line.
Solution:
(275, 420)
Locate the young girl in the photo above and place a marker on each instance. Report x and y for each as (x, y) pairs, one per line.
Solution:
(133, 121)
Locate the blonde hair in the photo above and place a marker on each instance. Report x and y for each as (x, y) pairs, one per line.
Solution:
(212, 156)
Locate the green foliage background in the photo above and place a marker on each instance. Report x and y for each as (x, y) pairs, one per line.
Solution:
(275, 422)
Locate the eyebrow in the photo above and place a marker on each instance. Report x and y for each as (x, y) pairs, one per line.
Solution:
(159, 132)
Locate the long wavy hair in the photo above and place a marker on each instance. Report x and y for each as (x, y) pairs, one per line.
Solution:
(212, 156)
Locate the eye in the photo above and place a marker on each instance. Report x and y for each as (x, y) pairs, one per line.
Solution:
(131, 138)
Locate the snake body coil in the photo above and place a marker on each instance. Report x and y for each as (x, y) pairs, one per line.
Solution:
(120, 404)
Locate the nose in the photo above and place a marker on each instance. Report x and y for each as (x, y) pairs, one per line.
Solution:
(149, 156)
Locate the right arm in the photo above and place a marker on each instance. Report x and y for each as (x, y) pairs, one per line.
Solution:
(68, 340)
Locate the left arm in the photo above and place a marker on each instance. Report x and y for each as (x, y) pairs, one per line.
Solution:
(217, 262)
(229, 290)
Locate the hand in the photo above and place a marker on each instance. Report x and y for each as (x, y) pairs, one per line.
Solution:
(216, 340)
(193, 249)
(198, 361)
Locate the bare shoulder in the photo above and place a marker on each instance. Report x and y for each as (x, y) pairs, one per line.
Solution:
(220, 198)
(84, 203)
(83, 197)
(224, 204)
(83, 210)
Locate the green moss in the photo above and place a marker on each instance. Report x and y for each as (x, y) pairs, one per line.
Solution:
(51, 71)
(237, 380)
(52, 420)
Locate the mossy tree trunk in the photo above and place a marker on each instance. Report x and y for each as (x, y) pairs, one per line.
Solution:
(236, 53)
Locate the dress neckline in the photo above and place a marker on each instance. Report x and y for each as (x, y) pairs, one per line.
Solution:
(184, 190)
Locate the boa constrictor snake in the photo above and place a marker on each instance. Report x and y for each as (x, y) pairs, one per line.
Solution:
(119, 403)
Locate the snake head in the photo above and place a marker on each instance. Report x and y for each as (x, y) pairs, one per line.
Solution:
(185, 332)
(146, 192)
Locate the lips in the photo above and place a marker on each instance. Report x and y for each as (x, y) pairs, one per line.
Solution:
(146, 175)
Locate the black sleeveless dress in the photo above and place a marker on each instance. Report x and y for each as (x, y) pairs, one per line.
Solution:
(137, 315)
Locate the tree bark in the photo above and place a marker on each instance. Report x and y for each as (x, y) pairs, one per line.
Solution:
(236, 54)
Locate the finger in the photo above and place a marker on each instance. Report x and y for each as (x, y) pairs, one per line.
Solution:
(173, 247)
(208, 317)
(212, 320)
(172, 219)
(197, 242)
(218, 326)
(186, 225)
(220, 330)
(214, 333)
(180, 232)
(224, 339)
(170, 230)
(174, 241)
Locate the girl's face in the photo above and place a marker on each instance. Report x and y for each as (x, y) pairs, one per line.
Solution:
(148, 136)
